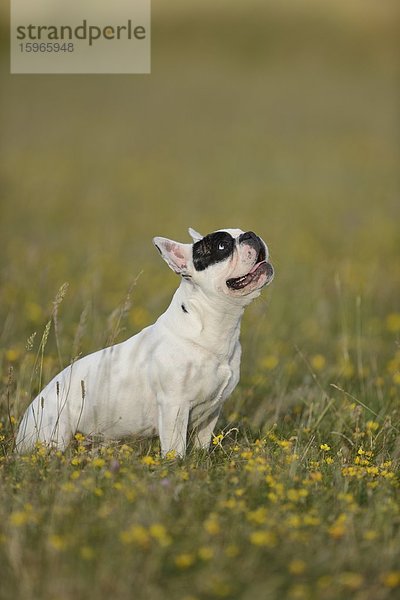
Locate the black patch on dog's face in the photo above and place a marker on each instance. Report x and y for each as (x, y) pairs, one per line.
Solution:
(212, 249)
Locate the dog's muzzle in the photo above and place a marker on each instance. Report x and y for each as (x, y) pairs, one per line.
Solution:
(261, 266)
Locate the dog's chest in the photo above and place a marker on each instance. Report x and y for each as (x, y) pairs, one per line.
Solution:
(210, 387)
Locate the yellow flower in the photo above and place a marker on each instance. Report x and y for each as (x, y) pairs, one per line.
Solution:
(388, 474)
(285, 444)
(311, 520)
(293, 521)
(393, 322)
(231, 551)
(297, 566)
(217, 439)
(294, 495)
(98, 462)
(19, 518)
(171, 455)
(258, 516)
(12, 355)
(351, 472)
(68, 486)
(148, 460)
(269, 362)
(184, 560)
(230, 503)
(346, 497)
(139, 317)
(351, 580)
(394, 364)
(57, 542)
(211, 525)
(347, 369)
(86, 552)
(318, 362)
(206, 553)
(183, 474)
(372, 426)
(125, 450)
(263, 538)
(159, 533)
(325, 447)
(391, 579)
(246, 454)
(33, 312)
(137, 534)
(338, 528)
(370, 535)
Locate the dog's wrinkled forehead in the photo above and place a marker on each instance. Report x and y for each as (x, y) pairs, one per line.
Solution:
(214, 248)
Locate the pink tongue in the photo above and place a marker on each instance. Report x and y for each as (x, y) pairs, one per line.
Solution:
(256, 266)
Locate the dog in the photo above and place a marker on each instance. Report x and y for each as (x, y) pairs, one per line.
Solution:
(174, 376)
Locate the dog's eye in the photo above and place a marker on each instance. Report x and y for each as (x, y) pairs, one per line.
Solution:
(221, 246)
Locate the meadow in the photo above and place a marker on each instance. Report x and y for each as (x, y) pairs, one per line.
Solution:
(279, 119)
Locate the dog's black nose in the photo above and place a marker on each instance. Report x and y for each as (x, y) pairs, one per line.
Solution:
(246, 237)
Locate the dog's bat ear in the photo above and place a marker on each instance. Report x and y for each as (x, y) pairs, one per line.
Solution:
(176, 255)
(195, 235)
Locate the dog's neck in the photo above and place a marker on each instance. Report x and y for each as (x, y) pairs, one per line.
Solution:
(211, 323)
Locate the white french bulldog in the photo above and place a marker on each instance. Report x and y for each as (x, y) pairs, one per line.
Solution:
(173, 376)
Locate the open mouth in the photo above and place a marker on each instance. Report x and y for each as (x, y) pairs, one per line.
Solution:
(261, 267)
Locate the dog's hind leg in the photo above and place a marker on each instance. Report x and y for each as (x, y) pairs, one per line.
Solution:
(38, 426)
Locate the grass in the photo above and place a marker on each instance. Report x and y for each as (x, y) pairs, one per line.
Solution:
(260, 118)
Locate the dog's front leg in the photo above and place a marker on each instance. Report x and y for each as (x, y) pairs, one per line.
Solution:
(172, 426)
(202, 434)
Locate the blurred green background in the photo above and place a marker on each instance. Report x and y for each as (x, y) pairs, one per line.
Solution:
(280, 117)
(272, 116)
